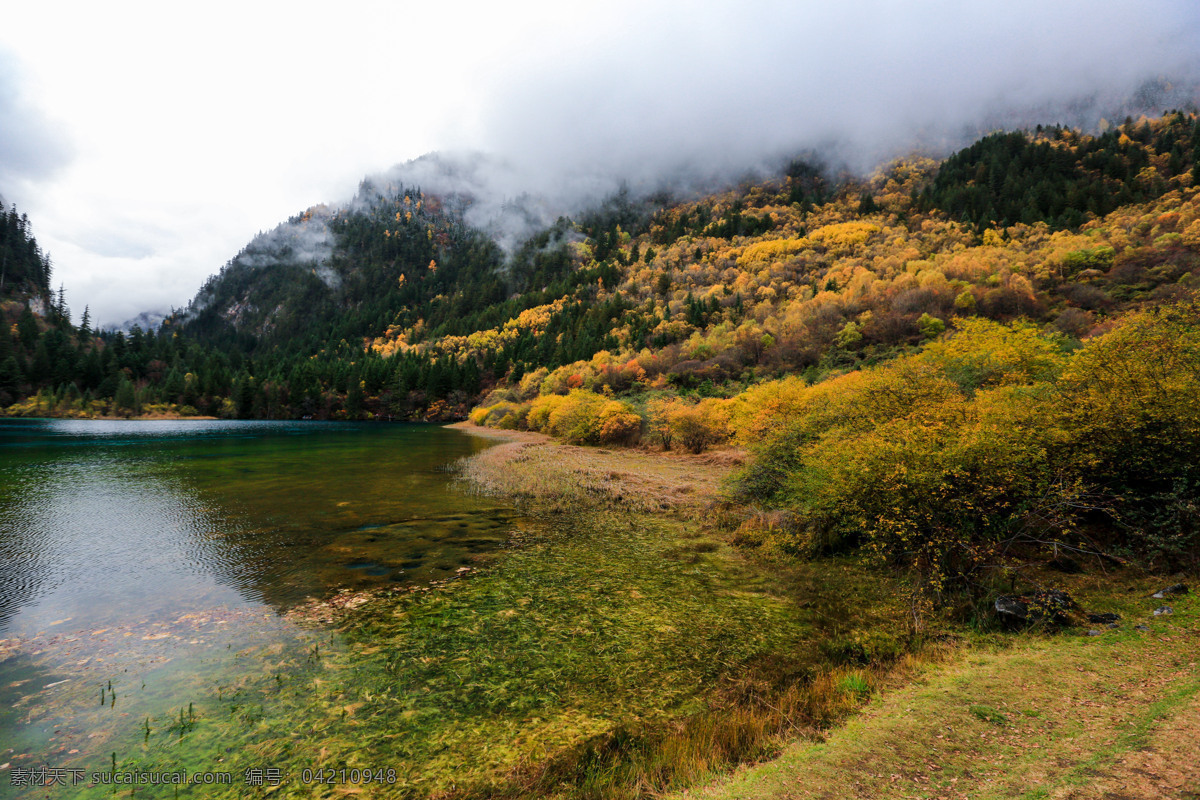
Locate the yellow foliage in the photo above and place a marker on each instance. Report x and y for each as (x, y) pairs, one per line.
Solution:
(531, 383)
(981, 353)
(991, 434)
(765, 252)
(843, 237)
(536, 317)
(757, 411)
(576, 417)
(694, 426)
(538, 418)
(1129, 396)
(619, 423)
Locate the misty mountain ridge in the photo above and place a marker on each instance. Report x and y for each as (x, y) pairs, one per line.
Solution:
(469, 187)
(502, 205)
(511, 201)
(805, 272)
(438, 241)
(146, 321)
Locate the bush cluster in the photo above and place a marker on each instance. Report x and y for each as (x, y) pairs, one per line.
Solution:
(994, 439)
(579, 417)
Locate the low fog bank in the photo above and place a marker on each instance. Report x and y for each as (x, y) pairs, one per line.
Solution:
(670, 99)
(677, 91)
(513, 198)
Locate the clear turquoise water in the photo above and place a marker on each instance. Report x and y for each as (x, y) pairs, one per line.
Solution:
(100, 520)
(147, 572)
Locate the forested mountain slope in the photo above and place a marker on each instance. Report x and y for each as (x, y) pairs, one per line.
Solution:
(395, 305)
(24, 268)
(793, 275)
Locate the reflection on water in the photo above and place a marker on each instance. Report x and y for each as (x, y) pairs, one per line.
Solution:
(145, 566)
(101, 520)
(142, 563)
(97, 539)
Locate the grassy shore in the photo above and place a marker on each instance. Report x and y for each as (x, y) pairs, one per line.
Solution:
(1082, 714)
(1069, 717)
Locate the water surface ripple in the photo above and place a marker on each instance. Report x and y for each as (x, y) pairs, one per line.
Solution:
(101, 520)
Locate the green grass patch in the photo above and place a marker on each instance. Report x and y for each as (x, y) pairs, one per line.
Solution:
(1062, 712)
(856, 684)
(988, 714)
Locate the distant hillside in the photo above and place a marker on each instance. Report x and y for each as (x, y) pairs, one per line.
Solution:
(402, 303)
(801, 275)
(328, 275)
(1062, 178)
(147, 320)
(34, 322)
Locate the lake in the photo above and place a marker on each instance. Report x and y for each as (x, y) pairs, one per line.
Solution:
(299, 607)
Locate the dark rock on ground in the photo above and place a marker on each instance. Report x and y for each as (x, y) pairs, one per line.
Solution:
(1141, 627)
(1052, 606)
(1162, 610)
(1012, 609)
(1179, 588)
(1103, 618)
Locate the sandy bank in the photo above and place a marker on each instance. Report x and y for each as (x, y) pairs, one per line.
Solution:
(534, 467)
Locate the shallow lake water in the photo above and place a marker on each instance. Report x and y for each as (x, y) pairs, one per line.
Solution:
(102, 519)
(155, 614)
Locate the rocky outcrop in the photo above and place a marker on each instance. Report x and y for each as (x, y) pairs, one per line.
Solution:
(1054, 606)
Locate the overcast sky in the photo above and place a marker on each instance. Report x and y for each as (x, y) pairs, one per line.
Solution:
(148, 142)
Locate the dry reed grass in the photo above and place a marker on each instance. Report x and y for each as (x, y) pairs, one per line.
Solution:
(750, 720)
